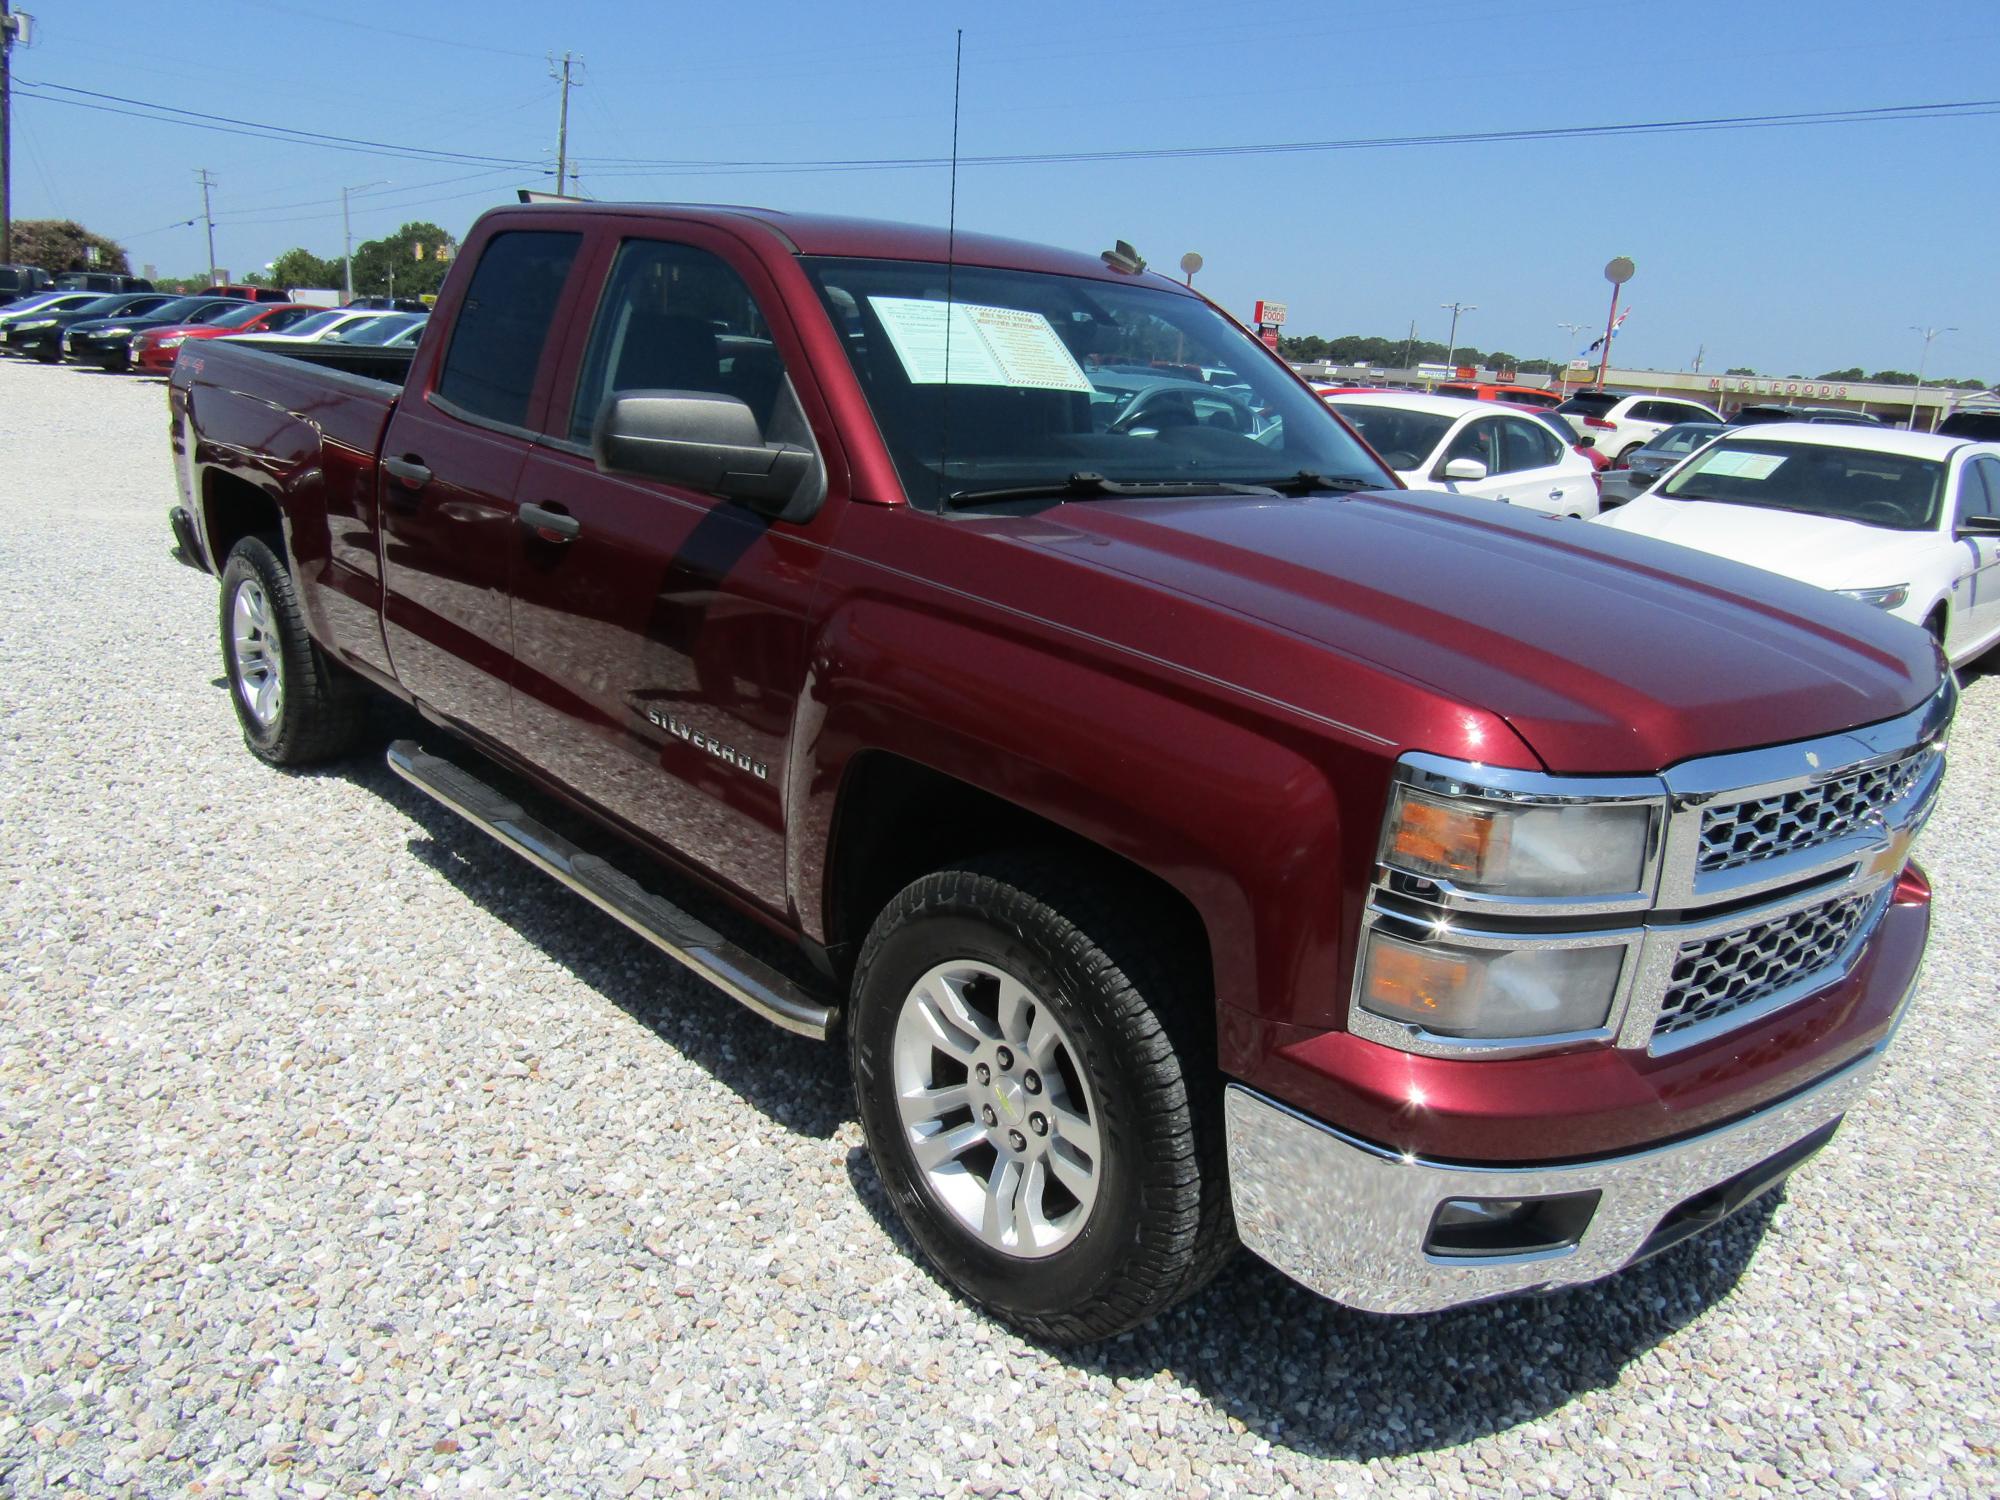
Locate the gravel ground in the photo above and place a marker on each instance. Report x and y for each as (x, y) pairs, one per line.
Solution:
(341, 1153)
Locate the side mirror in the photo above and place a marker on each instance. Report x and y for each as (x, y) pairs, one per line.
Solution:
(710, 442)
(1979, 526)
(1464, 468)
(1586, 442)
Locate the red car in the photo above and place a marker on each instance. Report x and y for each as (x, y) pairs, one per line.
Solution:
(156, 349)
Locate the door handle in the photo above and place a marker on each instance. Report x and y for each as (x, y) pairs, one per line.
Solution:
(408, 471)
(550, 524)
(1555, 494)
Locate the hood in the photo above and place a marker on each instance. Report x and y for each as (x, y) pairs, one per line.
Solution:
(1606, 653)
(1821, 550)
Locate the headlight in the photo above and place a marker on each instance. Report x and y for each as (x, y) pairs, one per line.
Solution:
(170, 341)
(112, 333)
(1539, 990)
(1894, 596)
(1519, 849)
(37, 323)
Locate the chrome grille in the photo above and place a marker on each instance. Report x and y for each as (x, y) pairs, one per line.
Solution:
(1741, 833)
(1724, 973)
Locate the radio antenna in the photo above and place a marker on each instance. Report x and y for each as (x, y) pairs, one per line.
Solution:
(950, 260)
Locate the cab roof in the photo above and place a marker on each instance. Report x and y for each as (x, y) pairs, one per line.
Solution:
(866, 239)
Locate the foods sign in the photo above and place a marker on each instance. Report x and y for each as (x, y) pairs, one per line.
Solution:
(1741, 385)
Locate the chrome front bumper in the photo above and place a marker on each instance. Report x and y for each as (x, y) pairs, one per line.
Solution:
(1350, 1219)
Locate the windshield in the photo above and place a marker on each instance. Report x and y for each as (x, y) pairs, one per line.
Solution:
(376, 330)
(1685, 438)
(180, 309)
(1590, 403)
(1403, 437)
(234, 317)
(29, 304)
(315, 323)
(1055, 377)
(98, 307)
(1888, 490)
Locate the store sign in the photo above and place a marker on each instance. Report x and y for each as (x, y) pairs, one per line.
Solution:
(1268, 315)
(1742, 385)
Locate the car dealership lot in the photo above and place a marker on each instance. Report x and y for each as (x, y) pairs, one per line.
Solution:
(338, 1148)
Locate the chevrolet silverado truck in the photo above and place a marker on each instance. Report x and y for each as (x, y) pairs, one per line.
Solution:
(1195, 836)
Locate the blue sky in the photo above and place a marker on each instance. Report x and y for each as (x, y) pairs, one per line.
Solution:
(1790, 250)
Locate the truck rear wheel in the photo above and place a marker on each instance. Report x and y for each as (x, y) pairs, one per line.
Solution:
(295, 706)
(1031, 1080)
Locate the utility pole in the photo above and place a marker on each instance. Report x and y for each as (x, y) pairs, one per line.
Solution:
(12, 28)
(562, 120)
(347, 238)
(1454, 308)
(208, 218)
(1410, 345)
(1698, 355)
(1922, 365)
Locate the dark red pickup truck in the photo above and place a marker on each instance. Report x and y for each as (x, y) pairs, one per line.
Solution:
(1197, 837)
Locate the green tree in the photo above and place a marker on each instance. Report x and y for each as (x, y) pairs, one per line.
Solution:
(1851, 373)
(1894, 377)
(300, 267)
(409, 263)
(58, 245)
(1739, 370)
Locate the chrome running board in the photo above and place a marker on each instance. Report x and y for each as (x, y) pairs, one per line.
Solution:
(738, 974)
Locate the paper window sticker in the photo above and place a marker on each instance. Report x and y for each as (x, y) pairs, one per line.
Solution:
(1005, 346)
(1743, 465)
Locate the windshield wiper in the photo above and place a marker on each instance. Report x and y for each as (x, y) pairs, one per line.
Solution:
(1306, 481)
(1085, 485)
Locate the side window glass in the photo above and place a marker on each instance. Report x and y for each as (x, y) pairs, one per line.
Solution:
(1975, 490)
(503, 324)
(675, 318)
(1529, 445)
(1480, 440)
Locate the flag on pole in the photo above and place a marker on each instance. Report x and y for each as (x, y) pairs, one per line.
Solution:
(1598, 342)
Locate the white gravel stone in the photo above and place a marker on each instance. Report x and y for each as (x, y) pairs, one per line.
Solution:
(342, 1154)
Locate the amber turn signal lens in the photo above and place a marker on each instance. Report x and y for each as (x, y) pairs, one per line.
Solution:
(1440, 839)
(1414, 984)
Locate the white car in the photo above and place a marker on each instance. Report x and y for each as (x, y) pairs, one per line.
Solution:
(1472, 448)
(319, 325)
(1906, 521)
(1623, 424)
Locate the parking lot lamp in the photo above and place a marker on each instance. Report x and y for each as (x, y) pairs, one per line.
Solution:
(1923, 362)
(347, 239)
(1451, 347)
(1618, 270)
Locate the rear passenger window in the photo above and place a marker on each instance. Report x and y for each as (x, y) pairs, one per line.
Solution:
(675, 318)
(503, 324)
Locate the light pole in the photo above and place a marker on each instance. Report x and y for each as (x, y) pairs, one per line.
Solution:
(1451, 345)
(1617, 270)
(1923, 363)
(1572, 329)
(347, 237)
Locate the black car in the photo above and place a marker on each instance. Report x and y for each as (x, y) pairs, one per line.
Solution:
(18, 281)
(1981, 424)
(391, 304)
(101, 281)
(1751, 416)
(107, 342)
(41, 337)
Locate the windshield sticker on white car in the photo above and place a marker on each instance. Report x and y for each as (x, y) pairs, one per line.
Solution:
(1743, 465)
(989, 345)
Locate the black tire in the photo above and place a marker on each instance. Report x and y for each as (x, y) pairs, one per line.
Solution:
(320, 710)
(1140, 1022)
(1625, 458)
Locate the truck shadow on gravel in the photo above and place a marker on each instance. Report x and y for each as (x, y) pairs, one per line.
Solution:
(799, 1084)
(1325, 1381)
(1294, 1369)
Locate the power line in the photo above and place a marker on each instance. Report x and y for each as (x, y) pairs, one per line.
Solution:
(230, 125)
(635, 166)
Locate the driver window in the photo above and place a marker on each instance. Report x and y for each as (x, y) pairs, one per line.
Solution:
(674, 318)
(1528, 446)
(1977, 495)
(1480, 440)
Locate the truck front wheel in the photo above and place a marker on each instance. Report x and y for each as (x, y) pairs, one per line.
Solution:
(295, 706)
(1031, 1080)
